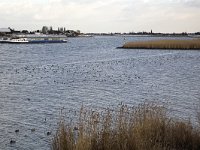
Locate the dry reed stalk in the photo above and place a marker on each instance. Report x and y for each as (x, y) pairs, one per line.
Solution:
(144, 127)
(164, 44)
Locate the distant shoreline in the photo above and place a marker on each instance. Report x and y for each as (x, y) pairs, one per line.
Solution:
(193, 44)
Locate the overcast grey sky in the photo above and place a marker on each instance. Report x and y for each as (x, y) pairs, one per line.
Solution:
(102, 15)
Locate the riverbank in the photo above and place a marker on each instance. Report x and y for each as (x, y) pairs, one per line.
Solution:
(193, 44)
(144, 127)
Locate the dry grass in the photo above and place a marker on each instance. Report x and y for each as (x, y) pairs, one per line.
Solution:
(145, 127)
(164, 44)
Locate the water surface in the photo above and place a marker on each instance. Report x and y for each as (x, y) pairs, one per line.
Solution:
(38, 81)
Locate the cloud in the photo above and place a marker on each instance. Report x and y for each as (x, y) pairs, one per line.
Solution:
(103, 15)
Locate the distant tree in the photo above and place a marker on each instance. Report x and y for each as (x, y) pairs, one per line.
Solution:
(32, 32)
(184, 33)
(44, 29)
(51, 30)
(61, 29)
(25, 31)
(78, 31)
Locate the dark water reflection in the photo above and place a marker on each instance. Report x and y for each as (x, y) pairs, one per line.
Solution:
(37, 81)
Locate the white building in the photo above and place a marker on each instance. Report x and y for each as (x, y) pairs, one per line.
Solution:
(5, 30)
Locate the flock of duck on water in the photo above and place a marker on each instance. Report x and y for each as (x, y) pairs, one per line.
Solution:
(122, 71)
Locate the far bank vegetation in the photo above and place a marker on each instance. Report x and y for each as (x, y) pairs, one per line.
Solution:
(145, 127)
(164, 44)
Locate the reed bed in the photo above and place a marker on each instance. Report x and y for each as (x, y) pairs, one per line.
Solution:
(145, 127)
(164, 44)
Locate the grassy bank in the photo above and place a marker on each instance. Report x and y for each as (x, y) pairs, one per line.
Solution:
(145, 127)
(164, 44)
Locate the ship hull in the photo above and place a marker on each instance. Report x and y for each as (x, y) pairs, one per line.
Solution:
(33, 42)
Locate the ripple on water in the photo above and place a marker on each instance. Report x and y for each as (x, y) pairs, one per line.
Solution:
(38, 81)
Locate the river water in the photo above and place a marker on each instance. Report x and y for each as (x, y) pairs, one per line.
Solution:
(38, 81)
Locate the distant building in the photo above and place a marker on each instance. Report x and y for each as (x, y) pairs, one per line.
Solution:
(4, 30)
(13, 31)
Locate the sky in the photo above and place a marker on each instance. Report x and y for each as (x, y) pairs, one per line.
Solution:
(102, 15)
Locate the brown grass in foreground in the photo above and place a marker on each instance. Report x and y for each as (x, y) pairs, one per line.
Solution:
(164, 44)
(146, 127)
